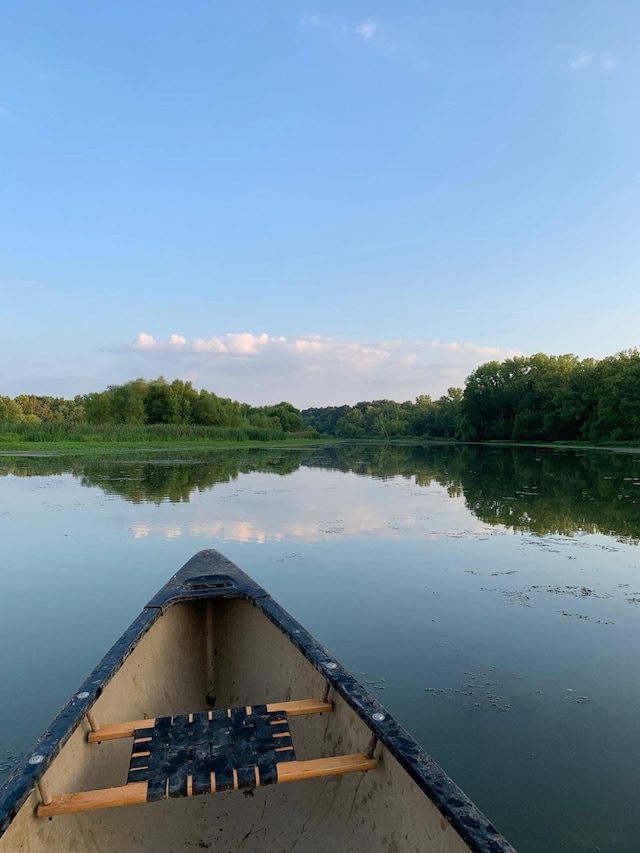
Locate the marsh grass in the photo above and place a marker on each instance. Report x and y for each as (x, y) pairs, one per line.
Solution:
(25, 435)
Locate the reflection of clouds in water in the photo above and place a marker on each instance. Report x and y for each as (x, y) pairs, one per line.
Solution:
(346, 525)
(314, 515)
(313, 531)
(232, 531)
(141, 530)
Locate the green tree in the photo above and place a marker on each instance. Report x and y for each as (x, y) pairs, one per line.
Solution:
(351, 425)
(287, 415)
(187, 396)
(161, 403)
(97, 407)
(206, 409)
(126, 402)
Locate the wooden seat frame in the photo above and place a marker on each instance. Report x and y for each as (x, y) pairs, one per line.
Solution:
(136, 792)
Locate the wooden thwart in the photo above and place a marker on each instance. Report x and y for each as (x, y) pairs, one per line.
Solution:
(136, 792)
(139, 791)
(297, 708)
(126, 795)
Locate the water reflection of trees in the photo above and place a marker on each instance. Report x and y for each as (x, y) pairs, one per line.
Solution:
(556, 492)
(524, 489)
(159, 477)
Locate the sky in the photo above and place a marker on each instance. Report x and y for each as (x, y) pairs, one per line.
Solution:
(314, 202)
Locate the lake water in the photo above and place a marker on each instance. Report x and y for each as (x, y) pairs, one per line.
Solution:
(488, 597)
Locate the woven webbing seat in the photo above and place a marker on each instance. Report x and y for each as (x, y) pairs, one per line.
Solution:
(210, 751)
(207, 752)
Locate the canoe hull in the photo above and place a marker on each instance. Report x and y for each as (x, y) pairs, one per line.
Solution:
(213, 638)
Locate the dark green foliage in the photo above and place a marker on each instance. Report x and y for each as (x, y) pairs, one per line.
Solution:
(127, 403)
(288, 416)
(162, 404)
(554, 398)
(324, 420)
(388, 419)
(207, 409)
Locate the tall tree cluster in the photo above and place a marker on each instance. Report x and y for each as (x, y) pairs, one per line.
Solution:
(554, 398)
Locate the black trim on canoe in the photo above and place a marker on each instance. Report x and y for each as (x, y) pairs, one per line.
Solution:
(211, 575)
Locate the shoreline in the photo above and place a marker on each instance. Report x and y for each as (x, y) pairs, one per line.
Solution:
(59, 448)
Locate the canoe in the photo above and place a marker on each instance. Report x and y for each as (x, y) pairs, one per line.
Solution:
(216, 722)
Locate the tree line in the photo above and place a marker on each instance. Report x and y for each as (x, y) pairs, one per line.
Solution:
(143, 404)
(527, 398)
(536, 398)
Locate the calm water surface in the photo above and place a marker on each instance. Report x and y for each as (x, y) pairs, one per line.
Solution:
(488, 597)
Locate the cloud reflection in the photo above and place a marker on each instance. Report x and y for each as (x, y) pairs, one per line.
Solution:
(320, 522)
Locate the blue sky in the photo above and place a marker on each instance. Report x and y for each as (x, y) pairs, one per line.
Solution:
(321, 203)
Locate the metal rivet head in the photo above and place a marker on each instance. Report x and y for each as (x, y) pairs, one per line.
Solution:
(36, 759)
(83, 695)
(378, 717)
(332, 665)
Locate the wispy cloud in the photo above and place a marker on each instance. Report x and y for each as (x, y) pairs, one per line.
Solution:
(366, 29)
(606, 62)
(581, 58)
(581, 61)
(312, 370)
(339, 28)
(406, 42)
(312, 21)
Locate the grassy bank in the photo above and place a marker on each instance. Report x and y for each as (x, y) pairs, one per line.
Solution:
(52, 437)
(56, 438)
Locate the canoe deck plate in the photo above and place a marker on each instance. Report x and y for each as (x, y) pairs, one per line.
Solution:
(210, 751)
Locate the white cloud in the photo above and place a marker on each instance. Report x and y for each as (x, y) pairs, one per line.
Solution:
(144, 341)
(311, 370)
(581, 61)
(244, 344)
(366, 29)
(606, 63)
(488, 352)
(148, 342)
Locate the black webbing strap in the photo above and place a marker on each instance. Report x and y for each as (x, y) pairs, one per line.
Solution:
(211, 742)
